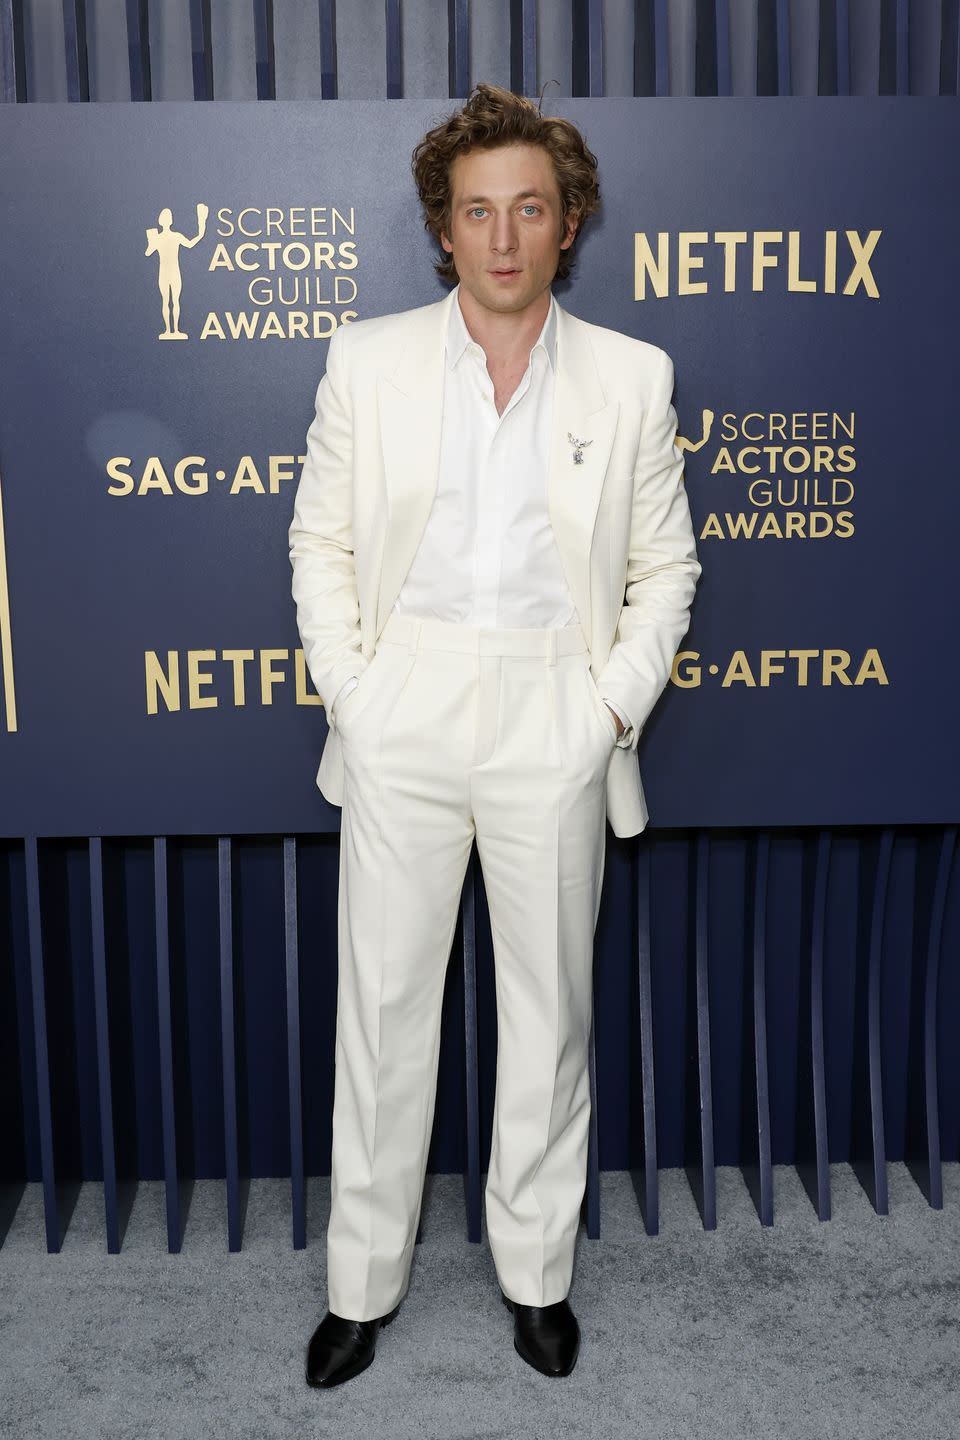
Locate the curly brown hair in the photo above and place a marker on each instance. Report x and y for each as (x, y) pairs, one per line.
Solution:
(490, 118)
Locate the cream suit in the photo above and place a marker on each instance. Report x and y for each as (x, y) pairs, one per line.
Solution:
(501, 734)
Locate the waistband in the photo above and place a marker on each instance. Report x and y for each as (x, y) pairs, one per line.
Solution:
(424, 633)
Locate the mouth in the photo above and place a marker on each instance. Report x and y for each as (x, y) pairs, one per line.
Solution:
(508, 271)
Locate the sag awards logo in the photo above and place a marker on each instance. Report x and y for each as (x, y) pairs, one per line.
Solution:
(264, 273)
(791, 473)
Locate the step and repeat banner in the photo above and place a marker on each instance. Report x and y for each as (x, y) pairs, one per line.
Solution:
(171, 276)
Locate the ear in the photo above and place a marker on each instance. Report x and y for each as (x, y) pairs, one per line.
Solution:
(445, 242)
(571, 225)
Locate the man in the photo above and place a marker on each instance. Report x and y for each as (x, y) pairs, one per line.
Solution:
(493, 566)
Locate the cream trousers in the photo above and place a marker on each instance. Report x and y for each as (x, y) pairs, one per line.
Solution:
(455, 731)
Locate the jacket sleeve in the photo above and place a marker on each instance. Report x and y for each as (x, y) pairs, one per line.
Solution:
(321, 537)
(662, 565)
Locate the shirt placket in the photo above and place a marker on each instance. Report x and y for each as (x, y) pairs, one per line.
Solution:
(493, 471)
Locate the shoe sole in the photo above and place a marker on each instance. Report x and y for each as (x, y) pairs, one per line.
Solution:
(354, 1370)
(550, 1374)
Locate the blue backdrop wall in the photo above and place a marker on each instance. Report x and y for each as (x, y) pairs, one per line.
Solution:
(776, 970)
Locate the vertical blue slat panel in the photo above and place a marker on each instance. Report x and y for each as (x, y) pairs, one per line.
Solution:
(924, 37)
(682, 47)
(594, 47)
(644, 48)
(784, 54)
(201, 44)
(661, 47)
(471, 1179)
(41, 1054)
(827, 48)
(888, 47)
(930, 1016)
(878, 1193)
(901, 1007)
(138, 49)
(75, 49)
(865, 32)
(706, 1179)
(491, 42)
(18, 1077)
(843, 47)
(742, 40)
(758, 931)
(24, 1023)
(822, 1198)
(619, 21)
(458, 48)
(264, 49)
(705, 49)
(394, 51)
(13, 75)
(805, 45)
(555, 49)
(903, 47)
(908, 1081)
(523, 46)
(161, 889)
(950, 48)
(592, 1196)
(650, 1195)
(328, 49)
(768, 77)
(298, 1195)
(722, 28)
(108, 1154)
(228, 1032)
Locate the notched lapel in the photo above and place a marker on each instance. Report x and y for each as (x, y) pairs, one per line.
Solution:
(573, 491)
(410, 405)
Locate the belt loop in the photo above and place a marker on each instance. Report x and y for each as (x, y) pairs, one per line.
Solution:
(551, 647)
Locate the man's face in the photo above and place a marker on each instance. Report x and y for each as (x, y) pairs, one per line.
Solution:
(505, 225)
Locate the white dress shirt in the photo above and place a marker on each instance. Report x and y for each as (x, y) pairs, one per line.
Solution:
(487, 555)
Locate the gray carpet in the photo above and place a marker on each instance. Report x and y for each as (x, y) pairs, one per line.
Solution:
(849, 1328)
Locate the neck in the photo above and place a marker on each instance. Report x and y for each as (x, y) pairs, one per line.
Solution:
(506, 337)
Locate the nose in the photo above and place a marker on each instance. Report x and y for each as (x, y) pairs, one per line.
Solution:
(504, 236)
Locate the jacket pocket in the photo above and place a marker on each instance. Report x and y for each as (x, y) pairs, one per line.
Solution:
(604, 714)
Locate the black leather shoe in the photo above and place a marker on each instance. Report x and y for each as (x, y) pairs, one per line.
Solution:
(546, 1336)
(340, 1349)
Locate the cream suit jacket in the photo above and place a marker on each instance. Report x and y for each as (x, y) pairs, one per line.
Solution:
(620, 519)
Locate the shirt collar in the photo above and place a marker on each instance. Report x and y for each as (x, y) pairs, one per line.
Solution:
(458, 337)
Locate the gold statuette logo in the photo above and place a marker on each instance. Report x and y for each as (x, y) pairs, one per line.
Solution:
(166, 243)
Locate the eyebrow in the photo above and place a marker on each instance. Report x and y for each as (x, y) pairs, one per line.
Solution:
(484, 200)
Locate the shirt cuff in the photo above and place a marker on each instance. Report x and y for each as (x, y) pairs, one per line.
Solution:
(626, 739)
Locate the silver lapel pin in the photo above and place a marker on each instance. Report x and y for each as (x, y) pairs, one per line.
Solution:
(577, 448)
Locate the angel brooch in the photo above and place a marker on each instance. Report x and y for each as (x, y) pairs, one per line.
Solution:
(577, 448)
